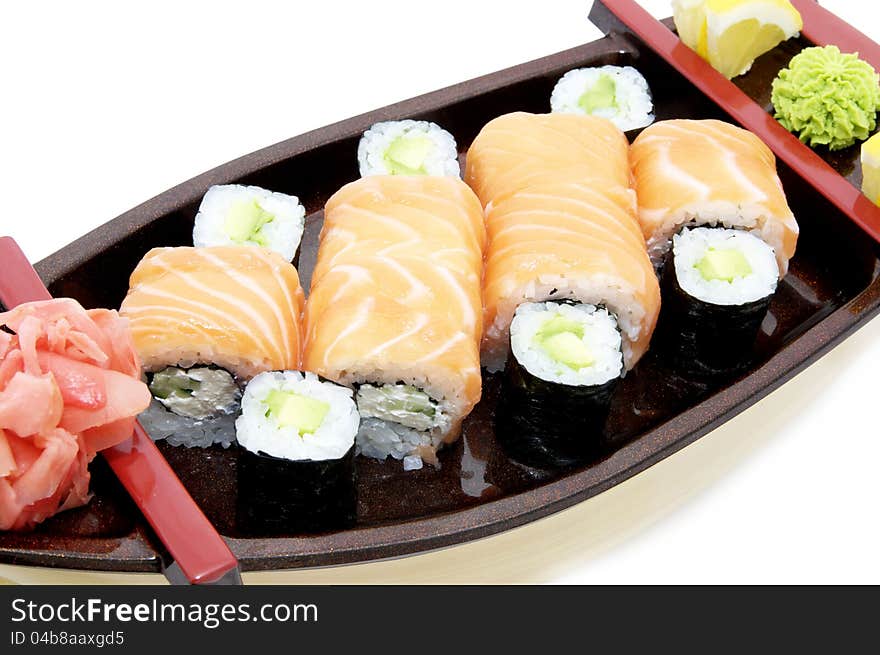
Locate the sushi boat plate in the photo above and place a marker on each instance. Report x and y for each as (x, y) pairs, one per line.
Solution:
(832, 289)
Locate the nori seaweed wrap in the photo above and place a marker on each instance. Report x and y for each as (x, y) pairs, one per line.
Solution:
(564, 364)
(714, 335)
(278, 496)
(296, 469)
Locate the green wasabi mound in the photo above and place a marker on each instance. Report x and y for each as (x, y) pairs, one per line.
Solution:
(827, 97)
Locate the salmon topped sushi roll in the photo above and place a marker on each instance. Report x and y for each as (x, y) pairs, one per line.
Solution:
(394, 309)
(717, 223)
(709, 173)
(560, 215)
(567, 242)
(570, 295)
(204, 321)
(517, 150)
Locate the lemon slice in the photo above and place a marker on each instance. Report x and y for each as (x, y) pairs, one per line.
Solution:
(871, 168)
(731, 34)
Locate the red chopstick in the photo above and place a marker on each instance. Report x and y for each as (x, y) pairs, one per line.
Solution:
(197, 548)
(825, 28)
(749, 114)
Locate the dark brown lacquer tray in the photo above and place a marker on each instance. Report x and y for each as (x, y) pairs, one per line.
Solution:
(831, 290)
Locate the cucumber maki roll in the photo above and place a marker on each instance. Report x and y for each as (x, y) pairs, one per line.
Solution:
(232, 214)
(717, 286)
(408, 148)
(564, 364)
(296, 468)
(618, 93)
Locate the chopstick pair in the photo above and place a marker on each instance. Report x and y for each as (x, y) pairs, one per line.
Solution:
(821, 27)
(200, 554)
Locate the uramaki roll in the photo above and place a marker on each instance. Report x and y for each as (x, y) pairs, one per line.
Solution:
(711, 173)
(518, 150)
(561, 225)
(237, 307)
(394, 309)
(204, 321)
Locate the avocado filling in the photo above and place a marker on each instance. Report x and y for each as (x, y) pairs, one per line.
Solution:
(726, 265)
(602, 95)
(291, 409)
(198, 393)
(399, 403)
(407, 153)
(561, 338)
(245, 220)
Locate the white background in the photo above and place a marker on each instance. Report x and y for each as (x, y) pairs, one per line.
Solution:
(104, 105)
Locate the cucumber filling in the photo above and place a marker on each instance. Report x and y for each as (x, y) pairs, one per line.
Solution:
(200, 392)
(245, 221)
(562, 339)
(602, 95)
(407, 154)
(723, 264)
(399, 403)
(291, 409)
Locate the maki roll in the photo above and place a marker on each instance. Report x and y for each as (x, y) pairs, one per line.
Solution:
(296, 466)
(204, 321)
(717, 285)
(394, 310)
(408, 148)
(565, 361)
(232, 214)
(618, 93)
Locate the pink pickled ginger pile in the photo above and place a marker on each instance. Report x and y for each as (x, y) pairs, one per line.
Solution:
(69, 387)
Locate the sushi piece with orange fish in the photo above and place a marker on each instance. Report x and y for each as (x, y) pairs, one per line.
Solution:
(709, 173)
(570, 295)
(715, 216)
(560, 215)
(204, 321)
(394, 310)
(518, 150)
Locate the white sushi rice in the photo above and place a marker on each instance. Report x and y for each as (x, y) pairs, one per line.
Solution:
(601, 336)
(389, 403)
(281, 234)
(182, 431)
(260, 433)
(441, 159)
(597, 289)
(690, 246)
(750, 216)
(387, 430)
(381, 439)
(634, 108)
